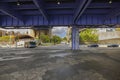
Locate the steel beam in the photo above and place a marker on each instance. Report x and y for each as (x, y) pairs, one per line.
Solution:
(50, 12)
(104, 5)
(7, 9)
(81, 8)
(96, 11)
(78, 9)
(38, 4)
(113, 13)
(61, 6)
(12, 0)
(47, 6)
(24, 6)
(67, 6)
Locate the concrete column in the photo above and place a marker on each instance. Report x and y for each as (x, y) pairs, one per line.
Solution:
(75, 38)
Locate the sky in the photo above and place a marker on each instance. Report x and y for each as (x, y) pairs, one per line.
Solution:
(59, 31)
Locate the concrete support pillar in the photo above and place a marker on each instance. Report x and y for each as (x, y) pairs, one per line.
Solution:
(75, 38)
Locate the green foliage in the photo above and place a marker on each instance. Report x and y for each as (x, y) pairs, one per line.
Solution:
(6, 38)
(56, 39)
(64, 39)
(89, 35)
(44, 38)
(117, 29)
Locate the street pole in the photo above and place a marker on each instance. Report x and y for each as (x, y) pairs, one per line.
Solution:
(50, 32)
(10, 40)
(16, 39)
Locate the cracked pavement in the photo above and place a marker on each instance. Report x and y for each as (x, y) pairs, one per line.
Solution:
(51, 63)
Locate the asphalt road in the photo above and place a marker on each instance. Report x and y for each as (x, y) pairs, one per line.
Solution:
(59, 63)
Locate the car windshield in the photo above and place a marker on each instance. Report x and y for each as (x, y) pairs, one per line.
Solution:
(32, 43)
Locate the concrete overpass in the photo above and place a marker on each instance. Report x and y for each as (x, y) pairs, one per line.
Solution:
(74, 13)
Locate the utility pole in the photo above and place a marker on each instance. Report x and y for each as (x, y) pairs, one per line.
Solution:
(50, 33)
(16, 39)
(10, 39)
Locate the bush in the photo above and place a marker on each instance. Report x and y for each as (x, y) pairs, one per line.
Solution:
(64, 39)
(44, 38)
(56, 39)
(6, 38)
(88, 35)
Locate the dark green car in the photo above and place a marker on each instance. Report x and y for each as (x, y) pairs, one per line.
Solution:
(30, 44)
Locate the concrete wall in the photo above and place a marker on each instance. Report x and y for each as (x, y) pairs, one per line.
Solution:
(109, 35)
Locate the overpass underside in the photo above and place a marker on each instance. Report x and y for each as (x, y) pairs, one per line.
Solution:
(58, 20)
(74, 13)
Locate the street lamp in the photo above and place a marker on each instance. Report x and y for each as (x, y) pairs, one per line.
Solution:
(58, 2)
(110, 2)
(18, 3)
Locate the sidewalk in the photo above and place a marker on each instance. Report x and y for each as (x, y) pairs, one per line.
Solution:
(9, 46)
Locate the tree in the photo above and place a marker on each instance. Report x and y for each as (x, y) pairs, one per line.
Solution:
(44, 38)
(88, 35)
(117, 29)
(7, 38)
(56, 39)
(64, 39)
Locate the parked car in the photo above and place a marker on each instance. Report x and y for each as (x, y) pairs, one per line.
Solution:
(113, 45)
(93, 45)
(30, 44)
